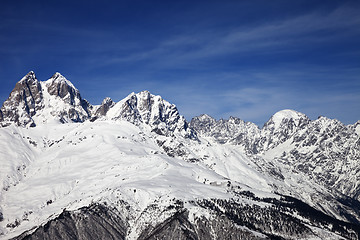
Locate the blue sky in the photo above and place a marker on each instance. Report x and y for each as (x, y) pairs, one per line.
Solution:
(247, 59)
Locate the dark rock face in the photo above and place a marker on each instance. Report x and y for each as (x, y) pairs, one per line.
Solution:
(175, 227)
(229, 220)
(267, 220)
(277, 221)
(223, 228)
(106, 104)
(59, 87)
(27, 95)
(203, 124)
(94, 222)
(179, 227)
(99, 222)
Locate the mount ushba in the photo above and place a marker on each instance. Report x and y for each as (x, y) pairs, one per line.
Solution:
(136, 169)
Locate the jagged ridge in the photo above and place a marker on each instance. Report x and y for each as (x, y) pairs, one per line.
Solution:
(314, 161)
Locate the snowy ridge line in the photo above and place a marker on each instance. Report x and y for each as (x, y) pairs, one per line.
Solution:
(141, 167)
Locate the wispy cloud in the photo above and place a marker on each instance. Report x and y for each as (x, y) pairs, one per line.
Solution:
(271, 37)
(245, 69)
(108, 47)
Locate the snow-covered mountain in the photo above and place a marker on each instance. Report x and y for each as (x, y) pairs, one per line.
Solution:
(32, 102)
(136, 169)
(324, 150)
(232, 131)
(160, 115)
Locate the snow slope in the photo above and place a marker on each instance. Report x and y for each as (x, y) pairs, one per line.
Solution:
(96, 160)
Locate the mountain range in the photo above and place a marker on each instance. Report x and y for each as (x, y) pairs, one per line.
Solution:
(137, 169)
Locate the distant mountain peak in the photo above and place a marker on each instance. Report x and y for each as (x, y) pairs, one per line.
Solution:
(281, 127)
(285, 115)
(288, 113)
(204, 116)
(232, 130)
(145, 93)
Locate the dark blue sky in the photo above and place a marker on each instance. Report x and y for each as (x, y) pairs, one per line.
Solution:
(248, 59)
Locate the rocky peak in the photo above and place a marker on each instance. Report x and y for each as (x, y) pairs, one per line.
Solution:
(30, 76)
(32, 101)
(234, 130)
(64, 94)
(327, 127)
(59, 86)
(28, 85)
(205, 118)
(107, 101)
(235, 120)
(146, 108)
(286, 117)
(203, 124)
(281, 127)
(24, 100)
(59, 78)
